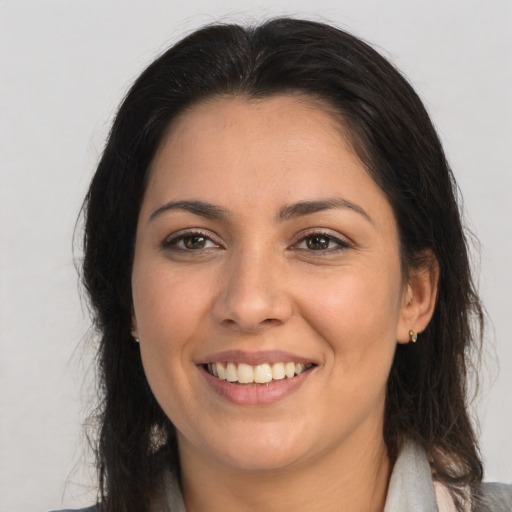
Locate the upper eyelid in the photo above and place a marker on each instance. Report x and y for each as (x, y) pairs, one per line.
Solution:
(325, 232)
(183, 233)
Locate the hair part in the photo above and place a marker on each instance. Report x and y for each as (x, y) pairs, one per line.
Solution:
(392, 135)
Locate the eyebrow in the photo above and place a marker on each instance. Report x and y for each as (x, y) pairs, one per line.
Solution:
(302, 208)
(201, 208)
(287, 212)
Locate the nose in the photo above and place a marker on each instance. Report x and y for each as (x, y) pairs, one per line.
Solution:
(253, 294)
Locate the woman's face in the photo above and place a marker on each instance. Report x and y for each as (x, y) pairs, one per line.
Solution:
(265, 250)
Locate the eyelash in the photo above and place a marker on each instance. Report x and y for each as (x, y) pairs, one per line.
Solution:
(172, 242)
(341, 245)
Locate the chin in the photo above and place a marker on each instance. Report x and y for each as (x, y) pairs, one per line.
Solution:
(261, 460)
(264, 452)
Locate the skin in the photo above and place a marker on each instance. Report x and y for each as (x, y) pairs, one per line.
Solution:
(255, 282)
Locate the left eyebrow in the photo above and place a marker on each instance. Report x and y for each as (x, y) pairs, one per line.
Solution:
(302, 208)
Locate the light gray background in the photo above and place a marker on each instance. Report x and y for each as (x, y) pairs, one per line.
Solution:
(65, 66)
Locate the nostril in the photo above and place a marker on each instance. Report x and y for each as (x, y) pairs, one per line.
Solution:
(251, 326)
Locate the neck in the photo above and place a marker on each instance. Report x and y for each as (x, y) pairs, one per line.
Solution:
(352, 479)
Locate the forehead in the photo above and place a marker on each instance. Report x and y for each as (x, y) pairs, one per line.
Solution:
(268, 121)
(272, 150)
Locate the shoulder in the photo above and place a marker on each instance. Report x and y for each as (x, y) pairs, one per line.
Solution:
(496, 497)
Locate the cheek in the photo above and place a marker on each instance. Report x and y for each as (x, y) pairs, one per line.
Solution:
(168, 308)
(356, 317)
(167, 305)
(358, 301)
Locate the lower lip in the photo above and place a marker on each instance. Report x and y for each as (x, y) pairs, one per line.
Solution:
(257, 394)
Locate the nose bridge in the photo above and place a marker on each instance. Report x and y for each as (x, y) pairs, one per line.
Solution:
(253, 290)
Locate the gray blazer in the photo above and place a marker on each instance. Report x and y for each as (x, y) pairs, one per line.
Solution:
(410, 489)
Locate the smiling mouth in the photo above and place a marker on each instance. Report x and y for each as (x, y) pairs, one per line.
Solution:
(265, 373)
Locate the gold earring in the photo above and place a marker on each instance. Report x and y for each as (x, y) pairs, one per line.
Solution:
(413, 336)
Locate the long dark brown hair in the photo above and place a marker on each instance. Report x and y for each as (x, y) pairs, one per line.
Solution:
(393, 136)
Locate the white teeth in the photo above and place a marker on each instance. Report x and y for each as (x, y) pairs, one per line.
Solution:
(231, 373)
(221, 373)
(245, 374)
(278, 372)
(261, 374)
(289, 369)
(299, 368)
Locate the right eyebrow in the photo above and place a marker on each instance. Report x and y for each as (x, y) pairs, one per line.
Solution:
(201, 208)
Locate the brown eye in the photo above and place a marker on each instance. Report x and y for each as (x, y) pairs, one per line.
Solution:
(322, 243)
(317, 242)
(194, 242)
(189, 242)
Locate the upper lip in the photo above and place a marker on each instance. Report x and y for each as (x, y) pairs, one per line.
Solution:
(255, 358)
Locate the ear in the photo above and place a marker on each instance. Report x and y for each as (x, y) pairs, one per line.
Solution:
(419, 298)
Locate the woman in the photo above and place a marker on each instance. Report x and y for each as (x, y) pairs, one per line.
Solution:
(278, 272)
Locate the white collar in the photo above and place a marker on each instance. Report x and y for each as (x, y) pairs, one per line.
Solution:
(410, 487)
